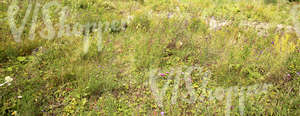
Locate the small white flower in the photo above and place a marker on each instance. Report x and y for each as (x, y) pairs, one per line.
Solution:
(20, 97)
(129, 19)
(8, 79)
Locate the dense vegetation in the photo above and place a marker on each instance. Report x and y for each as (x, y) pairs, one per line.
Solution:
(242, 43)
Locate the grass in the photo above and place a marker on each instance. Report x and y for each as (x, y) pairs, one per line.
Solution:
(59, 79)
